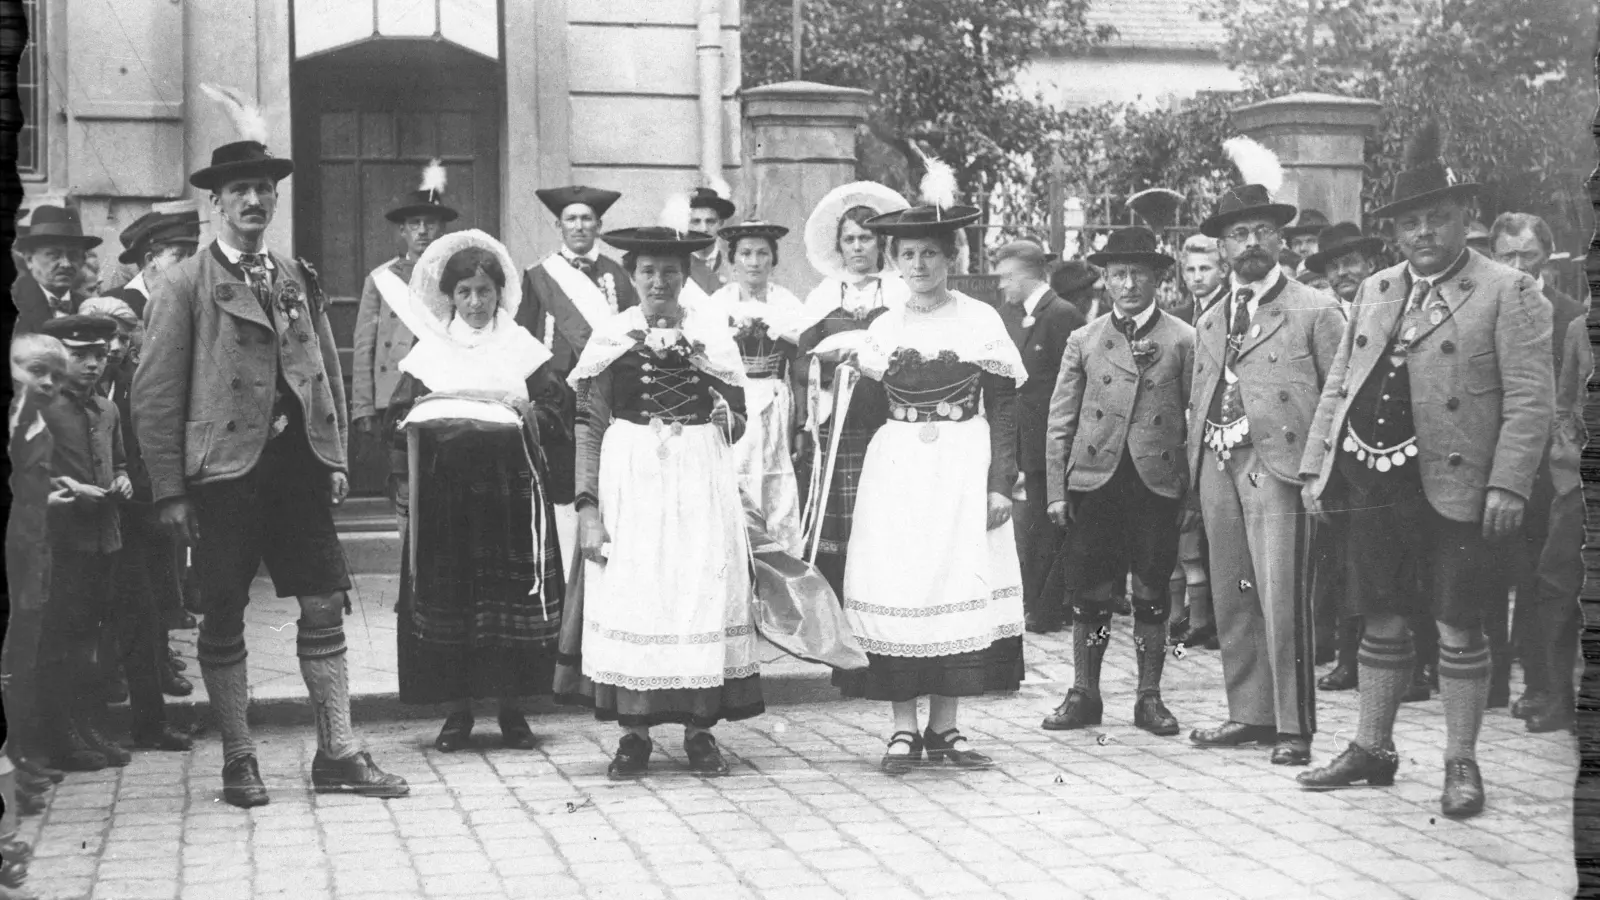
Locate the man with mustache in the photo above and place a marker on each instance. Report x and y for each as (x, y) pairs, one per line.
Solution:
(1261, 355)
(54, 247)
(1427, 441)
(239, 409)
(381, 340)
(564, 298)
(709, 208)
(1553, 530)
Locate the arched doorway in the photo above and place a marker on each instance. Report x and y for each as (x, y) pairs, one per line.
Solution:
(367, 118)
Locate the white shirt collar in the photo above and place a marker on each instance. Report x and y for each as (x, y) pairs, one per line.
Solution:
(1140, 320)
(592, 256)
(1032, 302)
(136, 283)
(232, 254)
(468, 336)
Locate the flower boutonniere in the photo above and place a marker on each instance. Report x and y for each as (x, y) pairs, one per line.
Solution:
(290, 298)
(608, 284)
(748, 328)
(1145, 352)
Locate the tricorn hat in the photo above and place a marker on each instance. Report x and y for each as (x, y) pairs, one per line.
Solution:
(81, 331)
(1263, 177)
(1424, 178)
(558, 199)
(1311, 221)
(714, 198)
(658, 240)
(156, 228)
(54, 226)
(426, 200)
(1338, 240)
(1132, 245)
(243, 158)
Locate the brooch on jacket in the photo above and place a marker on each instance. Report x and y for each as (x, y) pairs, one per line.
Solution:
(662, 342)
(1145, 352)
(290, 299)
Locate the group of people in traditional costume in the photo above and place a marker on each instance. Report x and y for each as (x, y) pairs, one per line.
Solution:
(587, 454)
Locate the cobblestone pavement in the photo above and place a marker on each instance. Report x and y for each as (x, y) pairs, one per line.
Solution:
(1108, 813)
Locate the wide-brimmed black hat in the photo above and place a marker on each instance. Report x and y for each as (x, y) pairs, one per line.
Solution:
(1424, 178)
(81, 331)
(421, 203)
(1132, 245)
(154, 229)
(240, 159)
(55, 226)
(923, 221)
(1341, 239)
(1073, 277)
(1246, 202)
(655, 240)
(707, 198)
(558, 199)
(733, 233)
(1311, 221)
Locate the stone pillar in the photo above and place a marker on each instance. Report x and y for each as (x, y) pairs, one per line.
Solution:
(1320, 139)
(803, 146)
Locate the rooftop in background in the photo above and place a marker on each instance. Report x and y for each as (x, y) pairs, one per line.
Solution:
(1156, 25)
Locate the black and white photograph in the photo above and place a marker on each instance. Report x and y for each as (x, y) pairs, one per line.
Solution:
(801, 449)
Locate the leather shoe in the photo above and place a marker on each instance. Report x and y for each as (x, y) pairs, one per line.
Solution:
(1551, 714)
(514, 731)
(1234, 734)
(942, 748)
(31, 804)
(1342, 678)
(1530, 700)
(1178, 628)
(1292, 750)
(1153, 716)
(175, 660)
(115, 754)
(1078, 710)
(1355, 764)
(705, 758)
(1463, 789)
(241, 783)
(35, 767)
(1202, 637)
(456, 733)
(175, 685)
(357, 775)
(632, 758)
(160, 737)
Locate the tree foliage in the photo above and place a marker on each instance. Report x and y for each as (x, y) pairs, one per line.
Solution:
(941, 71)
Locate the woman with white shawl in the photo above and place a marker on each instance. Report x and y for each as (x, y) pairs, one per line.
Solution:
(481, 583)
(668, 633)
(761, 316)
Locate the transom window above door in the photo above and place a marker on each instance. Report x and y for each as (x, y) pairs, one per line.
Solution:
(324, 25)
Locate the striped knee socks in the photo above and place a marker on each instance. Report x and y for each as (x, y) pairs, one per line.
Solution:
(1384, 669)
(1464, 688)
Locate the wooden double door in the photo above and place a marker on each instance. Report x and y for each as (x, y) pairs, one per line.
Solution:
(367, 120)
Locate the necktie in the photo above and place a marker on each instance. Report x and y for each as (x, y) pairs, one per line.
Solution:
(1125, 324)
(59, 306)
(1240, 324)
(255, 272)
(1419, 295)
(582, 264)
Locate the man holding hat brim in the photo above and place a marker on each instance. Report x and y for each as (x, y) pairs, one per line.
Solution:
(1261, 355)
(1115, 447)
(239, 407)
(1039, 323)
(565, 298)
(155, 242)
(709, 207)
(381, 339)
(54, 247)
(1434, 419)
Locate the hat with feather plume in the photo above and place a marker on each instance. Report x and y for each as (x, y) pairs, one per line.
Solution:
(938, 214)
(1263, 177)
(1424, 178)
(671, 237)
(714, 197)
(426, 200)
(246, 157)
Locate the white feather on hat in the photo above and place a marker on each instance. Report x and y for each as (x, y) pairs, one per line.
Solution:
(675, 214)
(1256, 164)
(434, 177)
(246, 116)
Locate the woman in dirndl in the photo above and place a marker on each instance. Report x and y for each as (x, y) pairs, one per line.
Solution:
(481, 584)
(933, 588)
(668, 632)
(761, 316)
(854, 291)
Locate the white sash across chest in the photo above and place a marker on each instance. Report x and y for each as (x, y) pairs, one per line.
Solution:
(584, 294)
(395, 293)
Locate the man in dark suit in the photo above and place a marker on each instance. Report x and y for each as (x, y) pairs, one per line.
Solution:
(1038, 321)
(1075, 281)
(53, 246)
